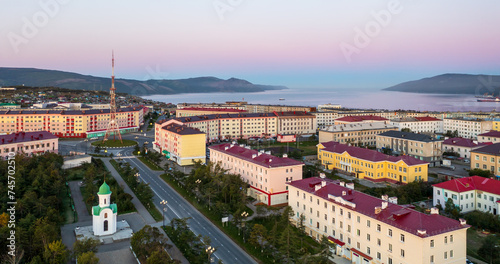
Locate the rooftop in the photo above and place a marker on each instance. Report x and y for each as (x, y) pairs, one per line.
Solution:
(368, 154)
(492, 133)
(471, 183)
(212, 109)
(25, 137)
(416, 119)
(398, 216)
(358, 127)
(181, 129)
(493, 149)
(67, 112)
(464, 142)
(361, 118)
(262, 159)
(409, 136)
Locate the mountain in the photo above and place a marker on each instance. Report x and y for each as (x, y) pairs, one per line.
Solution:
(44, 78)
(452, 84)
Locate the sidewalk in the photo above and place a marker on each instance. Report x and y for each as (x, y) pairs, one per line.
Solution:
(81, 209)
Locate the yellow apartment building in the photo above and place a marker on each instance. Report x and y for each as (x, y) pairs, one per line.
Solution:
(265, 174)
(486, 158)
(366, 229)
(181, 144)
(360, 134)
(370, 164)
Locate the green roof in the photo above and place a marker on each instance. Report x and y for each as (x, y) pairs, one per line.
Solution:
(96, 210)
(104, 189)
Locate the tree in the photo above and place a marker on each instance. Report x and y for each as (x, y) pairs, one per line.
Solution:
(85, 245)
(480, 172)
(258, 236)
(88, 258)
(301, 226)
(405, 129)
(159, 257)
(325, 247)
(451, 209)
(148, 240)
(56, 253)
(489, 249)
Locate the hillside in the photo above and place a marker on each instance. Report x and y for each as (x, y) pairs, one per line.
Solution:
(41, 78)
(452, 84)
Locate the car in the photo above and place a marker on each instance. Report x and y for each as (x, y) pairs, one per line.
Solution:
(466, 161)
(467, 261)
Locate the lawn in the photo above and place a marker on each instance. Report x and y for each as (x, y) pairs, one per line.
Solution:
(69, 214)
(75, 173)
(474, 242)
(114, 143)
(307, 147)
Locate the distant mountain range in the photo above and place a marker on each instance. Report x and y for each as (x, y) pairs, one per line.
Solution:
(452, 84)
(46, 78)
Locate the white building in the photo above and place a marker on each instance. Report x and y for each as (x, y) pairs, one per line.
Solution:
(471, 193)
(493, 136)
(462, 146)
(325, 119)
(425, 124)
(467, 128)
(326, 107)
(104, 214)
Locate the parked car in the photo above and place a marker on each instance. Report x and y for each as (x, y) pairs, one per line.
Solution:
(467, 261)
(466, 161)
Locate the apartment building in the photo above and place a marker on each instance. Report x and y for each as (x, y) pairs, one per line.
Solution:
(329, 107)
(486, 158)
(296, 123)
(181, 144)
(360, 119)
(419, 146)
(371, 165)
(29, 143)
(467, 128)
(325, 119)
(496, 124)
(265, 174)
(196, 111)
(9, 106)
(491, 136)
(227, 105)
(366, 229)
(261, 108)
(71, 123)
(360, 134)
(469, 194)
(462, 146)
(358, 112)
(425, 124)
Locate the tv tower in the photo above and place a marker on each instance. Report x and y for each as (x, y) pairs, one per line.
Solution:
(112, 126)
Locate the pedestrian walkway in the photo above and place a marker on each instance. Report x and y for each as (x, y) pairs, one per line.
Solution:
(80, 208)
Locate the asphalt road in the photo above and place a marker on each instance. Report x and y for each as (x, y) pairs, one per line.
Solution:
(177, 207)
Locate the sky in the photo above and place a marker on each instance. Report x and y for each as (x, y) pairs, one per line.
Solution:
(347, 44)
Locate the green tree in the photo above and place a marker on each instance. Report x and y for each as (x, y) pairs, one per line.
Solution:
(258, 236)
(148, 240)
(490, 249)
(451, 209)
(405, 129)
(88, 258)
(325, 250)
(160, 257)
(85, 245)
(56, 253)
(480, 172)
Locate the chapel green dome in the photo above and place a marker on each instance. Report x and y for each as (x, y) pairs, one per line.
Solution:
(104, 189)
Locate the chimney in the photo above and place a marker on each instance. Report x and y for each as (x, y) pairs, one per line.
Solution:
(462, 221)
(342, 184)
(422, 232)
(393, 200)
(242, 145)
(254, 156)
(350, 186)
(385, 197)
(226, 148)
(285, 155)
(344, 193)
(434, 211)
(270, 160)
(378, 210)
(323, 183)
(322, 175)
(384, 205)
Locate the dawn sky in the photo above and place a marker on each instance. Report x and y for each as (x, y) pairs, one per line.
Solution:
(313, 43)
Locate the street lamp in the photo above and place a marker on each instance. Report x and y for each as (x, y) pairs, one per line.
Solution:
(138, 175)
(243, 216)
(210, 250)
(164, 203)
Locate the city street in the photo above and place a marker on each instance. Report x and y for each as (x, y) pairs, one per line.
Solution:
(178, 207)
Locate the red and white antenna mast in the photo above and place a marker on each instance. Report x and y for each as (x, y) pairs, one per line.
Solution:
(113, 127)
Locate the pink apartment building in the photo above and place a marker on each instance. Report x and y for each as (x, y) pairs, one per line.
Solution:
(28, 143)
(267, 175)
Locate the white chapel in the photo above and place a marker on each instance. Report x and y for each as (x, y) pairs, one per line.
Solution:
(104, 214)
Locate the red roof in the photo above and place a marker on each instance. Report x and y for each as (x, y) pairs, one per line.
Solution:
(398, 216)
(470, 184)
(427, 118)
(492, 133)
(361, 254)
(368, 154)
(464, 142)
(25, 137)
(263, 159)
(181, 129)
(361, 118)
(213, 109)
(336, 241)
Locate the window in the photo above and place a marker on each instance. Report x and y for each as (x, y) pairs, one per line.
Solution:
(451, 253)
(432, 243)
(349, 214)
(368, 237)
(368, 250)
(390, 232)
(402, 253)
(368, 223)
(359, 219)
(446, 239)
(451, 238)
(402, 238)
(358, 232)
(379, 241)
(390, 247)
(446, 255)
(378, 255)
(432, 258)
(378, 227)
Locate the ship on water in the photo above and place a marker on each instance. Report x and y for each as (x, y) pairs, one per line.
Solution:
(496, 99)
(486, 96)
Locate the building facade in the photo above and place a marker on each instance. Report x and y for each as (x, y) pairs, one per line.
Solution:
(467, 128)
(360, 134)
(365, 229)
(265, 174)
(371, 165)
(195, 111)
(28, 143)
(70, 123)
(492, 136)
(486, 158)
(469, 194)
(462, 146)
(181, 144)
(325, 119)
(104, 214)
(426, 124)
(360, 119)
(419, 146)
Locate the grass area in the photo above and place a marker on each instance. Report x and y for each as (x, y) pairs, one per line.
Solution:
(69, 215)
(75, 173)
(474, 242)
(114, 143)
(229, 229)
(155, 213)
(150, 164)
(307, 147)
